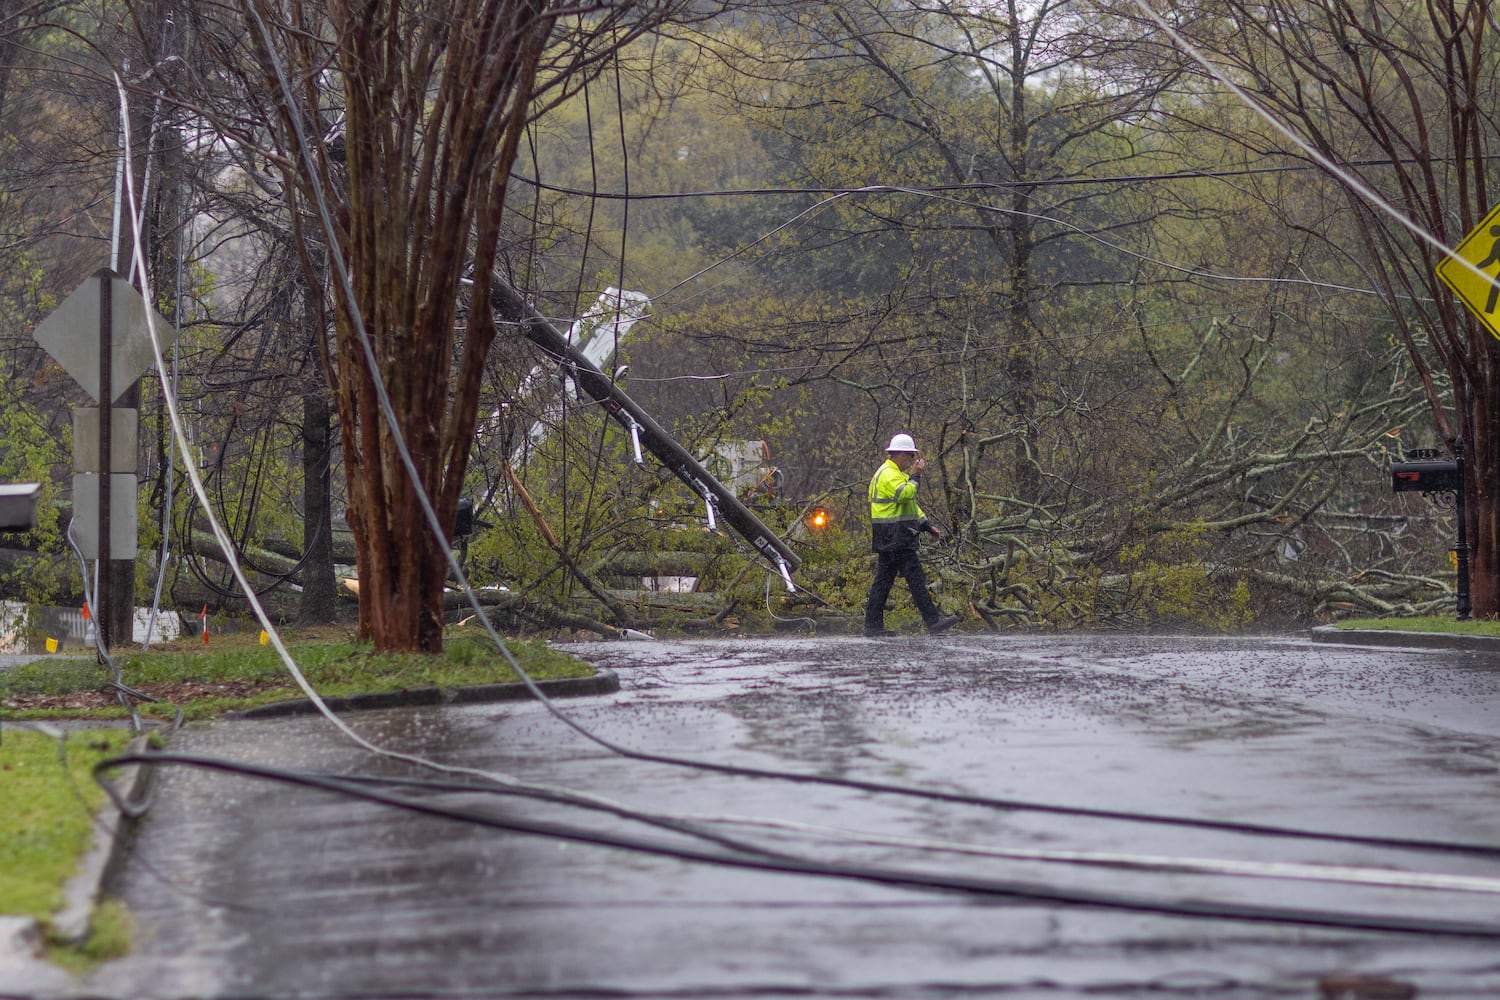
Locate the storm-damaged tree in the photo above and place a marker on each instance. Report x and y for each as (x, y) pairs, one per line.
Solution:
(393, 126)
(1400, 97)
(1032, 253)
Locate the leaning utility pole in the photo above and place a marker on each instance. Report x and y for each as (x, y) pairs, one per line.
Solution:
(645, 433)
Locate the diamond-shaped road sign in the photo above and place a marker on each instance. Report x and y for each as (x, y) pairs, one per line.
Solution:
(71, 334)
(1480, 292)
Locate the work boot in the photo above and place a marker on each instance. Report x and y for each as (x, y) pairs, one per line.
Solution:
(879, 633)
(943, 624)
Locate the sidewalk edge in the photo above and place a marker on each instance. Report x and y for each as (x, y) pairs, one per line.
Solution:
(83, 891)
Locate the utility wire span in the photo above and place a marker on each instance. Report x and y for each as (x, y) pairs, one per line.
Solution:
(882, 875)
(1117, 180)
(836, 195)
(1327, 165)
(702, 827)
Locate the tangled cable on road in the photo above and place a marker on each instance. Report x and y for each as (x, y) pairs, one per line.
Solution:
(365, 789)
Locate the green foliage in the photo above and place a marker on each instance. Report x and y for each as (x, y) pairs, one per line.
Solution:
(837, 563)
(600, 507)
(1170, 581)
(677, 135)
(249, 455)
(109, 937)
(32, 453)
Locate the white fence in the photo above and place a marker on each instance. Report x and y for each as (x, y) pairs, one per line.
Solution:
(26, 629)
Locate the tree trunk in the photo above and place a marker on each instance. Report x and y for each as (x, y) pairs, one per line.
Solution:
(318, 585)
(409, 374)
(1020, 333)
(1482, 455)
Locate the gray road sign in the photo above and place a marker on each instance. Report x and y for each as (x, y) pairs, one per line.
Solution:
(71, 334)
(122, 515)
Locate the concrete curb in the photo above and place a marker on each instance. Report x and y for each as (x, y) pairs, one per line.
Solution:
(23, 972)
(1408, 640)
(84, 890)
(21, 940)
(602, 682)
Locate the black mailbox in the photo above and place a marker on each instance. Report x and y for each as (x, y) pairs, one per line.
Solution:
(1425, 477)
(1443, 484)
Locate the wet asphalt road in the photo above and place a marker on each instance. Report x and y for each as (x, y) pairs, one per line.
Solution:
(244, 887)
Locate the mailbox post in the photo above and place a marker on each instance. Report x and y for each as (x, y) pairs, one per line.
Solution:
(1442, 482)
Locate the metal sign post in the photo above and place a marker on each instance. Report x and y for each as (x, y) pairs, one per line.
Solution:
(102, 337)
(103, 600)
(1478, 287)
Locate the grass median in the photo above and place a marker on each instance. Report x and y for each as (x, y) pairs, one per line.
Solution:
(236, 671)
(49, 799)
(1450, 625)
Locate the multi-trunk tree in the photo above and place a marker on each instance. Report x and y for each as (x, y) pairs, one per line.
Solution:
(390, 129)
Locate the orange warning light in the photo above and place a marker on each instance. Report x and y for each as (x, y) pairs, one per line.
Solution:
(818, 518)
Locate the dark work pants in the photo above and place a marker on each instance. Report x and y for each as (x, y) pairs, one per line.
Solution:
(889, 565)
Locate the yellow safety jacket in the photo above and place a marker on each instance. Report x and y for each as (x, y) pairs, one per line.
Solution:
(895, 518)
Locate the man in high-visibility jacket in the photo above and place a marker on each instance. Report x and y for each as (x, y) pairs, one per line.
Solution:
(896, 522)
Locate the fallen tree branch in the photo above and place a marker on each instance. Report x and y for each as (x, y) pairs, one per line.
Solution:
(520, 607)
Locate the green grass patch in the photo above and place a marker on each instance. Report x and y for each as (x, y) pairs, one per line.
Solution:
(109, 937)
(1432, 623)
(48, 799)
(237, 672)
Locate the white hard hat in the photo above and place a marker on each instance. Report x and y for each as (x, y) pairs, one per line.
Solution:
(902, 442)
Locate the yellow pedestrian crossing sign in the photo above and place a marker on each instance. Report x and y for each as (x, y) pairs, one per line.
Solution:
(1479, 291)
